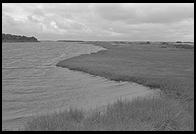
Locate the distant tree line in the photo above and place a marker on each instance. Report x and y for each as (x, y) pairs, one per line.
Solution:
(70, 41)
(17, 38)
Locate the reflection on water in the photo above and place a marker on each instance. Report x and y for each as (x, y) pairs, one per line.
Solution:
(32, 84)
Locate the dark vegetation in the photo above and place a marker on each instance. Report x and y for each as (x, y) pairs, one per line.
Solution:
(17, 38)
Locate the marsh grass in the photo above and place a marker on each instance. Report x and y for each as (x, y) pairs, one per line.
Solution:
(154, 67)
(181, 89)
(141, 114)
(56, 121)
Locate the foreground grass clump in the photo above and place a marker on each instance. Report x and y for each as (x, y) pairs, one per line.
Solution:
(57, 121)
(152, 114)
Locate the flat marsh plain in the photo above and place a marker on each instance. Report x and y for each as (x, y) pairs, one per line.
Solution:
(155, 65)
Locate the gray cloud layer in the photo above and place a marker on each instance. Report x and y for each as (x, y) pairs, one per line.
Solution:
(114, 21)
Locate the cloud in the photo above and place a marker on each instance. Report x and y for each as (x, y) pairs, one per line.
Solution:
(145, 13)
(98, 21)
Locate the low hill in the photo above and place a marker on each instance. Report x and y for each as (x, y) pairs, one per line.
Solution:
(17, 38)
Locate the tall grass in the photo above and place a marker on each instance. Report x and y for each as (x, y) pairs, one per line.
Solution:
(141, 114)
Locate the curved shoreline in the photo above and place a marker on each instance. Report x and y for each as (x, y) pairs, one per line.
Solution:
(160, 113)
(131, 63)
(113, 64)
(93, 92)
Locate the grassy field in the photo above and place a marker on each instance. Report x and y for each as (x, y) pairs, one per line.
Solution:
(142, 114)
(166, 67)
(170, 69)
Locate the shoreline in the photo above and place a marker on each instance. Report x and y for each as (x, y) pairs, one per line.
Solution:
(100, 94)
(144, 65)
(102, 63)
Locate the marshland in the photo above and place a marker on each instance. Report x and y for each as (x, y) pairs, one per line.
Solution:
(97, 67)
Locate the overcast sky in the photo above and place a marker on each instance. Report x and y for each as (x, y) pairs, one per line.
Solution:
(112, 21)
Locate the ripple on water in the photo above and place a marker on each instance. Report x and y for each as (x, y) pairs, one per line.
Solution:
(34, 85)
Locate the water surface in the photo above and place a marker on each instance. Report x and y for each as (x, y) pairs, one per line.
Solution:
(32, 84)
